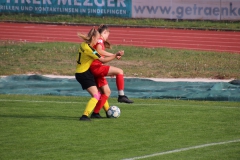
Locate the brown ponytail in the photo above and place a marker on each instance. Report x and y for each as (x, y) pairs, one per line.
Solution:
(102, 28)
(88, 38)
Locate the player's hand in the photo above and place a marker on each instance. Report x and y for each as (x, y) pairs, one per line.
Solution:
(122, 52)
(118, 54)
(118, 57)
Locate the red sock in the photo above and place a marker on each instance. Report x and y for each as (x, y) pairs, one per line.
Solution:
(100, 103)
(120, 82)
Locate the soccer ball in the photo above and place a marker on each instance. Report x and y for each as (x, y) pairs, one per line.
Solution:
(114, 112)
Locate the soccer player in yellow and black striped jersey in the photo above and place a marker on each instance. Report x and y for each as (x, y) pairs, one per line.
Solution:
(83, 75)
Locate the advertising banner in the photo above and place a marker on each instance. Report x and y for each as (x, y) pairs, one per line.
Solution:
(116, 8)
(165, 9)
(230, 10)
(187, 9)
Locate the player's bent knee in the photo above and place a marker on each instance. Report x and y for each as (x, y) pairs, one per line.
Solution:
(120, 71)
(108, 93)
(97, 95)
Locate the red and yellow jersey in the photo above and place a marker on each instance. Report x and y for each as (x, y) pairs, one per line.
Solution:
(85, 57)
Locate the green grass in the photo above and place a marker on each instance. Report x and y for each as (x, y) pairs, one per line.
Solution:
(68, 19)
(47, 127)
(60, 59)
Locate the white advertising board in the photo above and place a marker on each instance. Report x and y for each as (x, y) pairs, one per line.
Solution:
(230, 9)
(187, 9)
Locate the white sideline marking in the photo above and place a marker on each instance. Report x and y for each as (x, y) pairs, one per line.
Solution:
(6, 100)
(182, 149)
(142, 104)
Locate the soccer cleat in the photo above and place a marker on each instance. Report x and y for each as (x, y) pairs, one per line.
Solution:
(96, 115)
(124, 99)
(84, 118)
(107, 115)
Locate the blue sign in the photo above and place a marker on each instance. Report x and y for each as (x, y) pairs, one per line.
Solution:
(114, 8)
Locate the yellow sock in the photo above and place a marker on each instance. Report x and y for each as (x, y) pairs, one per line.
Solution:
(90, 106)
(106, 106)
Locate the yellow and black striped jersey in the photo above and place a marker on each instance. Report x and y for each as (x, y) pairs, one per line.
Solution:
(85, 57)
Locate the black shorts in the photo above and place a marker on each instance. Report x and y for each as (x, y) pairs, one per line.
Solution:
(86, 79)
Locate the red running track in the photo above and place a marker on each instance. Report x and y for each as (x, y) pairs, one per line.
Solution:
(222, 41)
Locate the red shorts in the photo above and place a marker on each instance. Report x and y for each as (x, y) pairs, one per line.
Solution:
(99, 71)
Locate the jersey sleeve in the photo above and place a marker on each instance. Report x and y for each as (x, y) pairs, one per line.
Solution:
(93, 53)
(101, 43)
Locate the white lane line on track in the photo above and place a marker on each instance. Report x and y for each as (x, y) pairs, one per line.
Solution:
(183, 149)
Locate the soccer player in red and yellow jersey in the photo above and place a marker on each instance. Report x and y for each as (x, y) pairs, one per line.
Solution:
(83, 75)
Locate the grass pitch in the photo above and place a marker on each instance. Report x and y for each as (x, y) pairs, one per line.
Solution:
(144, 22)
(47, 127)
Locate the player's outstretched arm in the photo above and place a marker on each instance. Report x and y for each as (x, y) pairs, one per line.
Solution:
(103, 52)
(111, 57)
